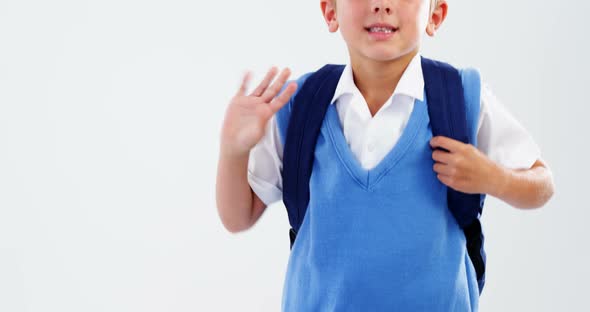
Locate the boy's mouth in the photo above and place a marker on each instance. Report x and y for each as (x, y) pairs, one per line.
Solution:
(381, 32)
(386, 30)
(381, 28)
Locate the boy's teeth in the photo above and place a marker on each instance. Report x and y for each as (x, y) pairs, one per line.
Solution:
(380, 29)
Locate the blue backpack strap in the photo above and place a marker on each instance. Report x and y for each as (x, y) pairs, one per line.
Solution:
(448, 117)
(307, 115)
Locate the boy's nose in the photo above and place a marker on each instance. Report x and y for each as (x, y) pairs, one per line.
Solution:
(381, 6)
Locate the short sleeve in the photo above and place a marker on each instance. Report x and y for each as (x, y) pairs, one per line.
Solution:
(501, 137)
(265, 165)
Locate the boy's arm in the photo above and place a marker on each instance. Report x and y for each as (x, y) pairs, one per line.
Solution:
(524, 188)
(238, 206)
(243, 126)
(466, 169)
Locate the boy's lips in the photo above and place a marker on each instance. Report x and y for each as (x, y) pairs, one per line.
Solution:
(381, 31)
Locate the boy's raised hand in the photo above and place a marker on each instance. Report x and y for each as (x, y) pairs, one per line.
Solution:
(246, 116)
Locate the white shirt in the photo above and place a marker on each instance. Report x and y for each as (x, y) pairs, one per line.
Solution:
(499, 136)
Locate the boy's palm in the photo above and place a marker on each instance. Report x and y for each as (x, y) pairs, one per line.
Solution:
(247, 115)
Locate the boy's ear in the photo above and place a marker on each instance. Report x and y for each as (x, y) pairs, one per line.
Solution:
(329, 13)
(438, 15)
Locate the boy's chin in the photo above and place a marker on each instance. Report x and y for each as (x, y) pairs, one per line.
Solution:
(384, 56)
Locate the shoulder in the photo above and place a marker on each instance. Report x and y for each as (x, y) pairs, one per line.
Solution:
(284, 114)
(471, 78)
(300, 82)
(472, 84)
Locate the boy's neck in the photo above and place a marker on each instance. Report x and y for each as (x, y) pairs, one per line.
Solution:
(377, 80)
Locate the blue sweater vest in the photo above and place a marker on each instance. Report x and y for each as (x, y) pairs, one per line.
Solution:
(381, 239)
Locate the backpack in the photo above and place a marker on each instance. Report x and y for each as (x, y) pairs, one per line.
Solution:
(444, 89)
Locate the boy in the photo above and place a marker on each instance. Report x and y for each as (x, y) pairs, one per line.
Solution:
(386, 243)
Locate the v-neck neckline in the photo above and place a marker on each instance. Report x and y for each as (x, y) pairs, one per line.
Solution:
(369, 178)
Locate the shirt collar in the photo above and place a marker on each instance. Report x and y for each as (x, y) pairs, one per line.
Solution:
(411, 82)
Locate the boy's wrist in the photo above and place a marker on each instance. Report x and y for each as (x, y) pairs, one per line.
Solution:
(228, 151)
(501, 179)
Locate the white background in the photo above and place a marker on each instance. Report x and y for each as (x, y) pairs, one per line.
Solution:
(110, 114)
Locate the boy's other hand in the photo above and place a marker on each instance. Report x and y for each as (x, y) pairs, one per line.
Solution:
(464, 168)
(247, 115)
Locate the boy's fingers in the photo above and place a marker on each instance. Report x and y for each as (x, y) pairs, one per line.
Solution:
(446, 143)
(441, 156)
(265, 82)
(244, 86)
(443, 169)
(272, 91)
(283, 98)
